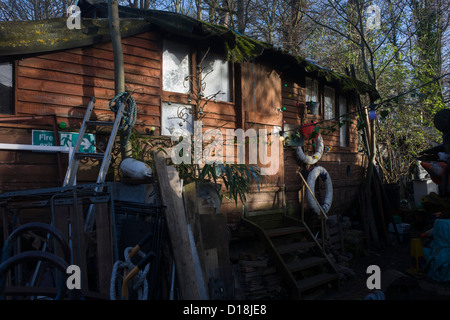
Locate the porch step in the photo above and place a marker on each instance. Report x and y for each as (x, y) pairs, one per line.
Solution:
(291, 247)
(306, 263)
(315, 281)
(284, 231)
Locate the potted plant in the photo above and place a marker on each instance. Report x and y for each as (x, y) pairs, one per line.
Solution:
(313, 107)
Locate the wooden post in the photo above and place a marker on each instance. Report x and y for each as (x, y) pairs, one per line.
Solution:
(177, 229)
(104, 247)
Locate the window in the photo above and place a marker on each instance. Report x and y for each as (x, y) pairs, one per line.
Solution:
(6, 88)
(312, 90)
(329, 103)
(343, 130)
(175, 67)
(172, 123)
(216, 78)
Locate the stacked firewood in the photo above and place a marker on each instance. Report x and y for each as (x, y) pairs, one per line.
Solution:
(258, 278)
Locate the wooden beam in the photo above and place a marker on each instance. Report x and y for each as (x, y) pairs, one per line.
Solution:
(104, 247)
(177, 229)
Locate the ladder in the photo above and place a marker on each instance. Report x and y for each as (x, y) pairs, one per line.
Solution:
(76, 155)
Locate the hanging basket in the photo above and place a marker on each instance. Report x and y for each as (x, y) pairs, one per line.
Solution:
(313, 107)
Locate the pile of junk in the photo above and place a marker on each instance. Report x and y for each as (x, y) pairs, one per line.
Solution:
(436, 203)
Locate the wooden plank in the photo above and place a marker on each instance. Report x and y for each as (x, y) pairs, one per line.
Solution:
(77, 112)
(79, 248)
(177, 229)
(147, 44)
(211, 263)
(81, 90)
(105, 49)
(193, 219)
(105, 258)
(90, 80)
(91, 66)
(63, 99)
(260, 117)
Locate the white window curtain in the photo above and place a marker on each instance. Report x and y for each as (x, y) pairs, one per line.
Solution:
(175, 67)
(216, 78)
(312, 90)
(329, 103)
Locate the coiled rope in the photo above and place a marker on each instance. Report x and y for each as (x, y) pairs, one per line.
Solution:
(139, 282)
(129, 116)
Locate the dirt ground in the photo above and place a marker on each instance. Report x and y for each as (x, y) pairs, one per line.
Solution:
(396, 282)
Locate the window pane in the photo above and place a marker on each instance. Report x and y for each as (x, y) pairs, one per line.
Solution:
(329, 103)
(171, 121)
(175, 67)
(312, 89)
(6, 88)
(343, 137)
(216, 78)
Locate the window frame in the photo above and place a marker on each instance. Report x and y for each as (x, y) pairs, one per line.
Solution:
(12, 107)
(313, 80)
(333, 100)
(231, 96)
(186, 98)
(189, 54)
(347, 126)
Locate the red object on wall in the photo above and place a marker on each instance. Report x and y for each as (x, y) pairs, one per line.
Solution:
(307, 129)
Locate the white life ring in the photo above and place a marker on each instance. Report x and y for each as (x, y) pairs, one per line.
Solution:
(311, 180)
(316, 156)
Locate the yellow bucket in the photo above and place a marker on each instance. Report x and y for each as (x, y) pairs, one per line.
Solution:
(417, 256)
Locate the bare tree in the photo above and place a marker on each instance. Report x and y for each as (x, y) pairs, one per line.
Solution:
(23, 10)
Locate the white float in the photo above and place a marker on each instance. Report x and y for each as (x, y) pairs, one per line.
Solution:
(325, 176)
(316, 156)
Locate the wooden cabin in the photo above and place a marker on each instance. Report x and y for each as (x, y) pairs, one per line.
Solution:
(49, 73)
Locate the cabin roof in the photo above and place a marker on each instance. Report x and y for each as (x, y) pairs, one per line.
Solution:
(31, 37)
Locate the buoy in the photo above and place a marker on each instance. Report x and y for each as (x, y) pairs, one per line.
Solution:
(311, 181)
(316, 156)
(135, 169)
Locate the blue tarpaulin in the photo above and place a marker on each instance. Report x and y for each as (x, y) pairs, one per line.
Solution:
(438, 255)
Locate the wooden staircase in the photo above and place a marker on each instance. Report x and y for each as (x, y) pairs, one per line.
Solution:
(297, 255)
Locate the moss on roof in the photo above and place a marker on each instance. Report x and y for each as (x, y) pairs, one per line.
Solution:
(18, 38)
(27, 37)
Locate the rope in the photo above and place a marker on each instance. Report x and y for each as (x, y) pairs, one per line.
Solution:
(138, 283)
(129, 116)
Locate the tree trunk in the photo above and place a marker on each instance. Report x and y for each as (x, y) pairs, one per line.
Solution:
(114, 25)
(119, 73)
(241, 16)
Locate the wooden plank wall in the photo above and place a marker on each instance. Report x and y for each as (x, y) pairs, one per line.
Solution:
(62, 84)
(344, 164)
(25, 169)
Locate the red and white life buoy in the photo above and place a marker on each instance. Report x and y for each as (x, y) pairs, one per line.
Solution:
(311, 180)
(316, 156)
